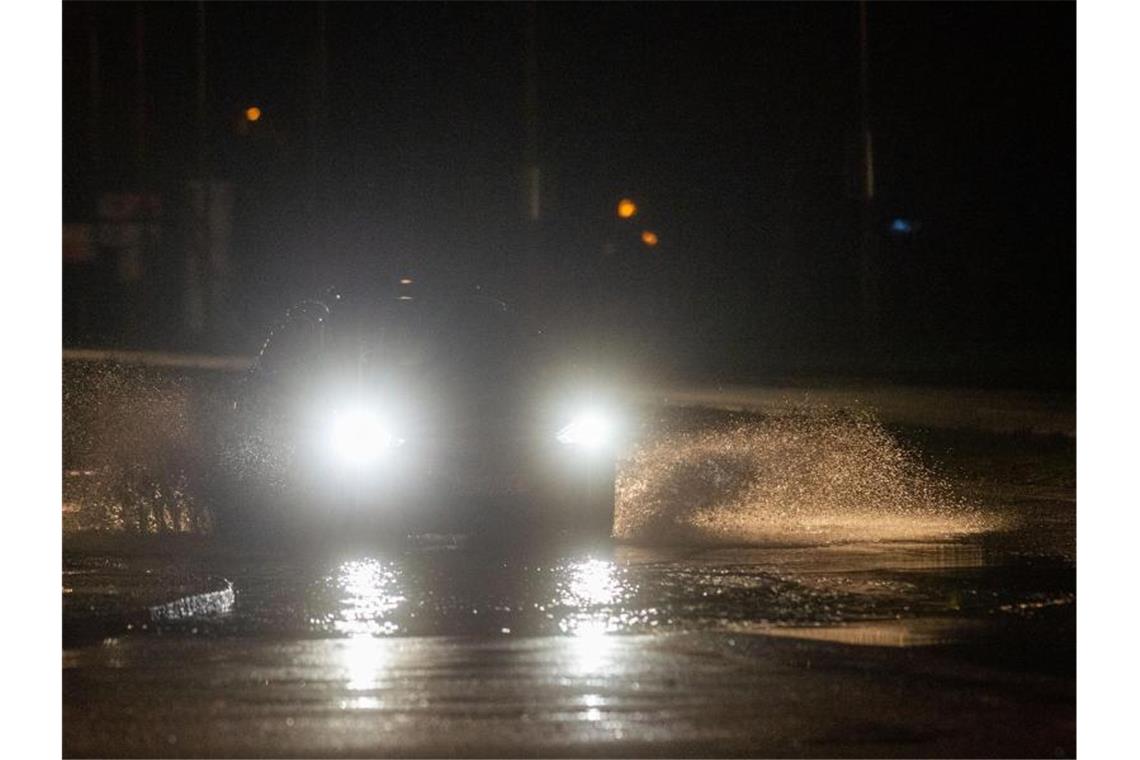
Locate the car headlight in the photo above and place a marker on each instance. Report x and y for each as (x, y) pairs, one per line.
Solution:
(591, 429)
(361, 436)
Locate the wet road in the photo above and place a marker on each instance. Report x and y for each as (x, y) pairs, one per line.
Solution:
(658, 695)
(961, 648)
(899, 631)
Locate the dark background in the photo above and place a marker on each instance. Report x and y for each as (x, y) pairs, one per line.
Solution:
(393, 142)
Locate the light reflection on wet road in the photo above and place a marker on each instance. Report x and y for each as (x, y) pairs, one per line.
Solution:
(544, 695)
(462, 591)
(452, 650)
(956, 637)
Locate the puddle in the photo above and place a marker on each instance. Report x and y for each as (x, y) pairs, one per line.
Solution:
(915, 632)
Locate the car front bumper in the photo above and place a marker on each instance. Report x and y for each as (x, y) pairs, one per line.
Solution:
(436, 485)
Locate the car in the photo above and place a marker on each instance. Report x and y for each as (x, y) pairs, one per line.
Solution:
(403, 412)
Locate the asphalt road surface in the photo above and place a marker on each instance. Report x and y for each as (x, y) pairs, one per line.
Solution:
(947, 637)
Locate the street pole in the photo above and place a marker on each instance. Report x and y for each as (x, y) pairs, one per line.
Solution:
(520, 274)
(200, 100)
(95, 86)
(140, 94)
(193, 302)
(869, 243)
(533, 186)
(318, 120)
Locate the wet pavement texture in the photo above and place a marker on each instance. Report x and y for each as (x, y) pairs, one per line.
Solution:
(947, 637)
(916, 650)
(658, 695)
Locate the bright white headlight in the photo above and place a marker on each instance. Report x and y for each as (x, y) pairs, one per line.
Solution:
(360, 436)
(591, 429)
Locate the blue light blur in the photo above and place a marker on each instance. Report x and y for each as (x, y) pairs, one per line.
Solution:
(901, 226)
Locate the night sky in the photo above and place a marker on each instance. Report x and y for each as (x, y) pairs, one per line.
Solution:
(734, 126)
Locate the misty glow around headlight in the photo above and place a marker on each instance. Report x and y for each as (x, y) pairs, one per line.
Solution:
(361, 436)
(590, 429)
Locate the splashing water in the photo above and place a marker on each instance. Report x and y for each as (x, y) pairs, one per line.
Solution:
(132, 450)
(791, 478)
(135, 442)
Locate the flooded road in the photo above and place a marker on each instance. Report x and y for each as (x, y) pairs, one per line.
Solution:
(449, 589)
(781, 588)
(954, 649)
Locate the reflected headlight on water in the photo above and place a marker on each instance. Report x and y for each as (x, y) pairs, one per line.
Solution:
(590, 646)
(370, 592)
(592, 582)
(363, 660)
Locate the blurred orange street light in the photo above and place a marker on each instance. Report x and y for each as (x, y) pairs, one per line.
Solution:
(253, 113)
(626, 208)
(649, 238)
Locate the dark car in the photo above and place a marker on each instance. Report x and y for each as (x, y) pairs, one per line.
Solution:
(401, 413)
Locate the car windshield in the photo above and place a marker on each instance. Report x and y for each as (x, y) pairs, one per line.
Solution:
(470, 337)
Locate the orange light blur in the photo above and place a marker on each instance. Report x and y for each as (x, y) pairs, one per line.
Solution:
(649, 238)
(253, 113)
(626, 208)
